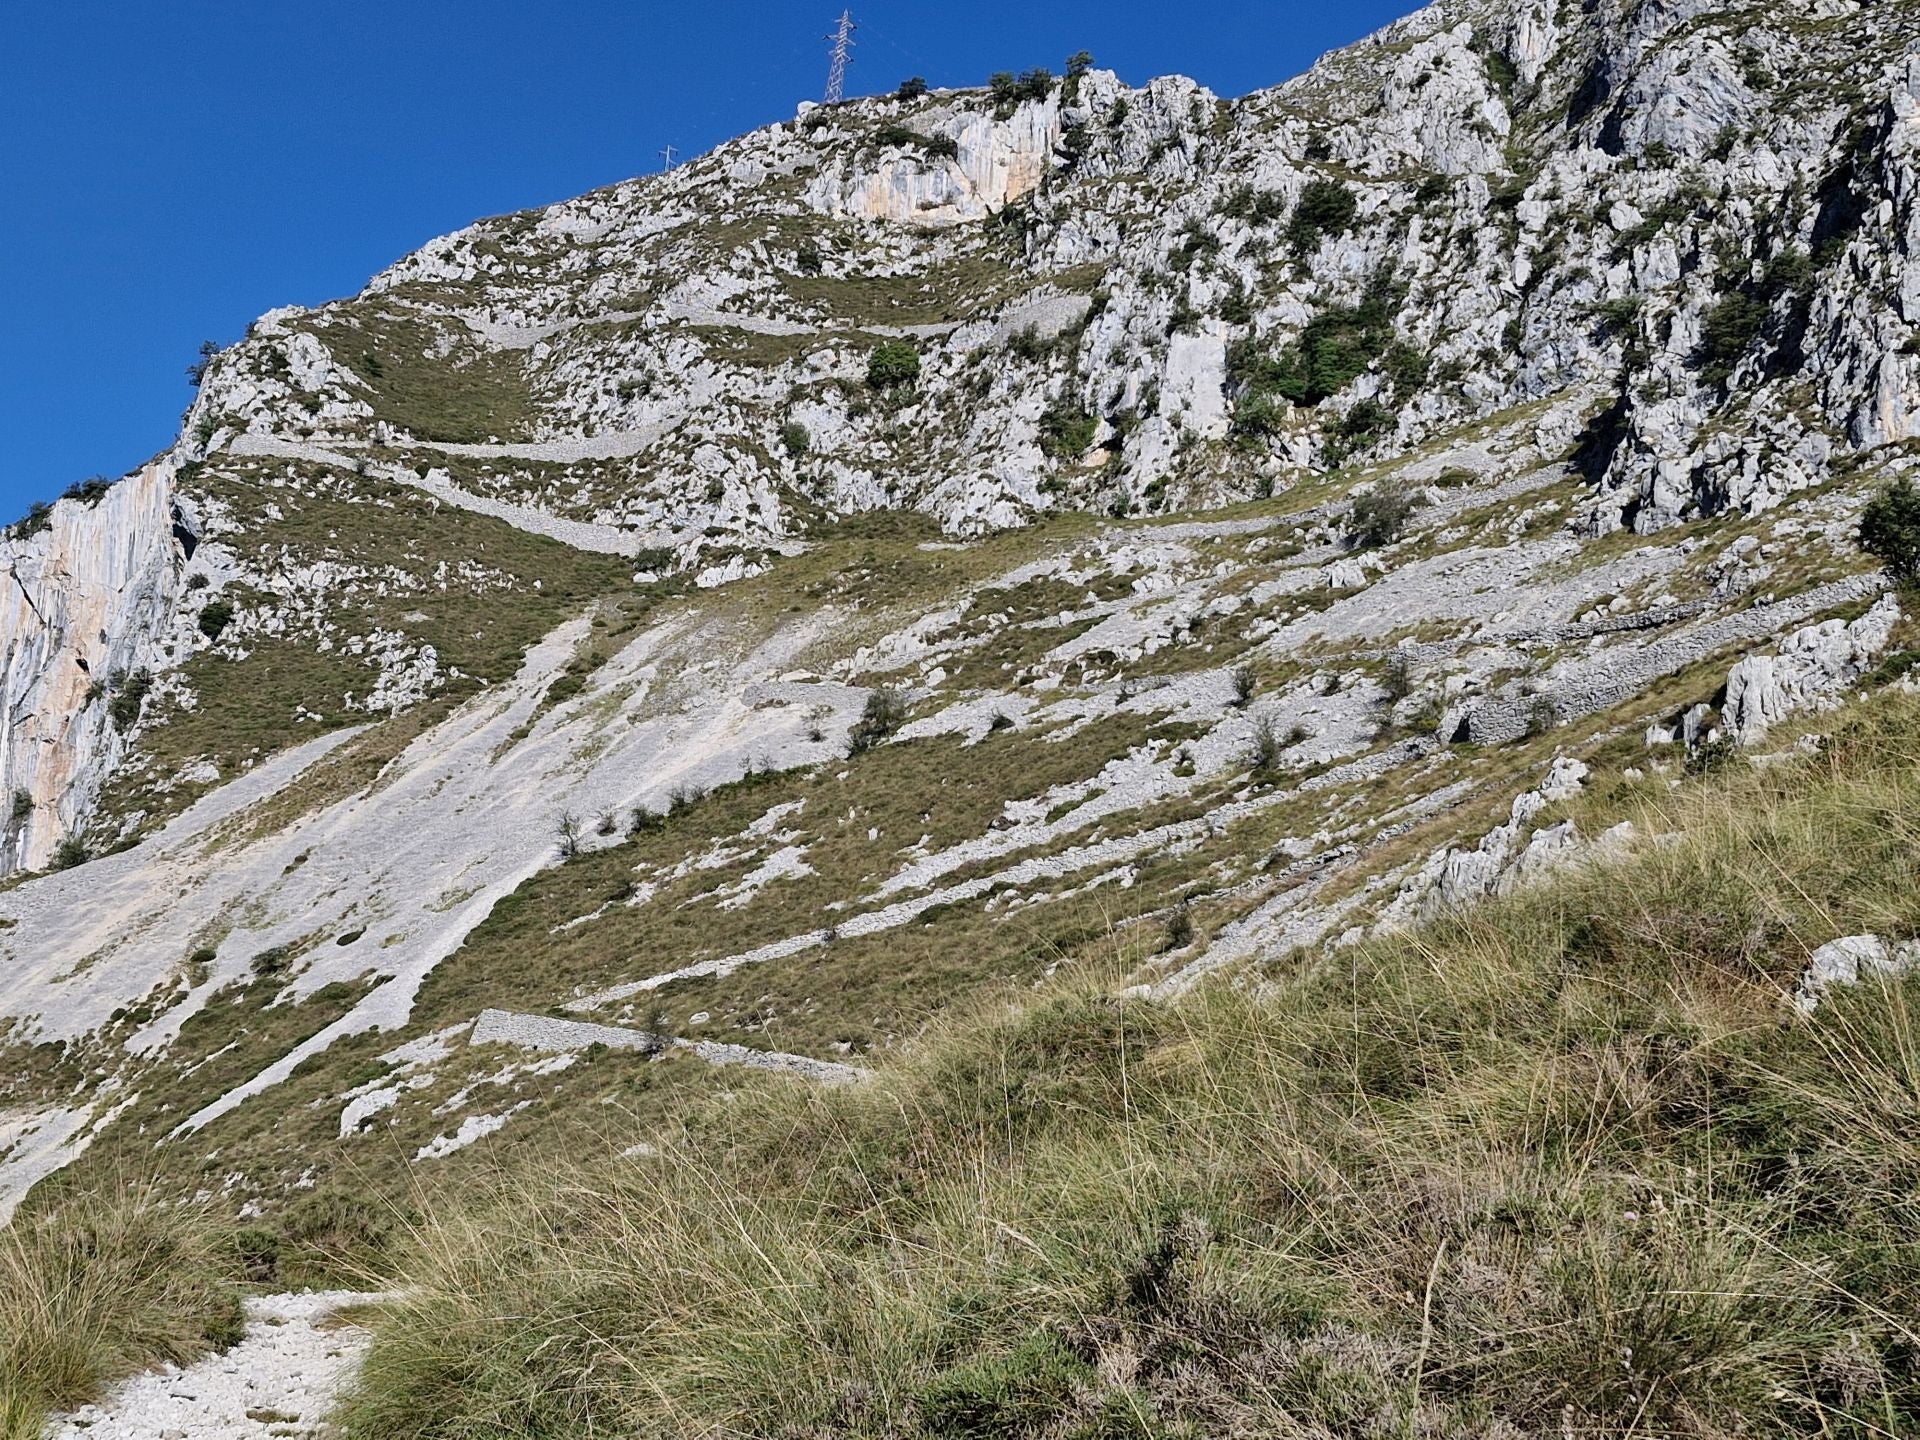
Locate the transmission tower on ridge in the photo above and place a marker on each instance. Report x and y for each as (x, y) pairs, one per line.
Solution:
(842, 52)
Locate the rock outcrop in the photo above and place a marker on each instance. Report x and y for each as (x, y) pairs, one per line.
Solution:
(1813, 668)
(84, 606)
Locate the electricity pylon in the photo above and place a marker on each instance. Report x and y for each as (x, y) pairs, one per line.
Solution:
(842, 40)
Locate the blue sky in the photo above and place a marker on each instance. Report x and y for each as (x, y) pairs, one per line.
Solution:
(172, 170)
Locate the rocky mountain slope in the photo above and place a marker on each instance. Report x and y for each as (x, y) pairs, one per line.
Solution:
(937, 541)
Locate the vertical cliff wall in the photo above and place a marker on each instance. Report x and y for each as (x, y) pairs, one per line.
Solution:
(83, 603)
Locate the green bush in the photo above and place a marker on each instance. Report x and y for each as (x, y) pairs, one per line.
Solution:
(1260, 414)
(794, 439)
(215, 616)
(197, 372)
(1618, 316)
(1336, 348)
(127, 694)
(893, 364)
(1005, 1398)
(1727, 332)
(1265, 748)
(1365, 423)
(900, 137)
(271, 962)
(1502, 72)
(1035, 84)
(1380, 516)
(912, 88)
(39, 517)
(1245, 683)
(1326, 208)
(71, 852)
(1027, 343)
(1736, 322)
(1066, 431)
(884, 713)
(1256, 207)
(1890, 529)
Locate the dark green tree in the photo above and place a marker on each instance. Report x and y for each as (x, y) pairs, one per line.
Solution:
(197, 371)
(1325, 208)
(1890, 530)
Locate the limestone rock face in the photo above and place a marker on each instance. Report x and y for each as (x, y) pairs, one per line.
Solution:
(82, 609)
(1501, 860)
(997, 162)
(1812, 668)
(1686, 233)
(1850, 960)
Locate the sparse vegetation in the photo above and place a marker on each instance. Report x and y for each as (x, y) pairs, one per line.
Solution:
(901, 137)
(1066, 431)
(1244, 685)
(1325, 209)
(1265, 747)
(1735, 322)
(1256, 207)
(1618, 317)
(197, 372)
(271, 963)
(215, 616)
(1396, 680)
(126, 695)
(1078, 64)
(884, 713)
(39, 518)
(1337, 347)
(90, 491)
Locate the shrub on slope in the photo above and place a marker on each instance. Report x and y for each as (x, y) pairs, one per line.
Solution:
(1566, 1164)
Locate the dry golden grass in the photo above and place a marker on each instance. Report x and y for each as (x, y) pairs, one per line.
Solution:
(1562, 1165)
(109, 1285)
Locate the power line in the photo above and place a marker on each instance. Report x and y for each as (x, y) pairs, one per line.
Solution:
(842, 53)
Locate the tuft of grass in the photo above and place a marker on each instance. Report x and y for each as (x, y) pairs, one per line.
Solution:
(1561, 1164)
(111, 1284)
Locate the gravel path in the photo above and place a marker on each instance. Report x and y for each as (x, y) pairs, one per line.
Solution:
(280, 1380)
